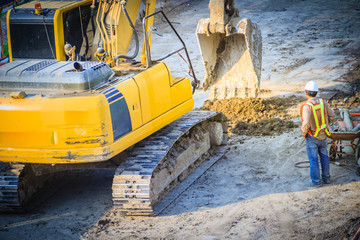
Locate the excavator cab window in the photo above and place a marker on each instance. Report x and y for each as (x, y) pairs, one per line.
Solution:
(32, 35)
(75, 23)
(32, 41)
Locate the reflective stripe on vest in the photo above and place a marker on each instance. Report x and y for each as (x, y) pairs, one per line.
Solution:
(322, 116)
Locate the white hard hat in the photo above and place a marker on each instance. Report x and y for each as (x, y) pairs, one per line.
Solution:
(311, 86)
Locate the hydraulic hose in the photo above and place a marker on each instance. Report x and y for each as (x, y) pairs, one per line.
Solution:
(136, 37)
(92, 19)
(84, 34)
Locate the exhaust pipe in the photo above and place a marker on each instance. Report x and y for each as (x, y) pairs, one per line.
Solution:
(78, 67)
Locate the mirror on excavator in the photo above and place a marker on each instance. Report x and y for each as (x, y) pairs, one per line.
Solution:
(231, 50)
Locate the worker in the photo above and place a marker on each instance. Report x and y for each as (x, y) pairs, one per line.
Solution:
(316, 115)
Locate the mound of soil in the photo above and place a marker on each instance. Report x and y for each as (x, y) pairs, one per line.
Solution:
(266, 127)
(343, 100)
(258, 116)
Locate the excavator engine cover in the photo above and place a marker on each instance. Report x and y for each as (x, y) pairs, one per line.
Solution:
(53, 76)
(231, 50)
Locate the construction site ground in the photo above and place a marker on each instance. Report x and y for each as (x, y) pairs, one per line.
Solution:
(254, 191)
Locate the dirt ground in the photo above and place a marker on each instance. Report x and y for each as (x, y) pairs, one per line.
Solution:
(254, 191)
(275, 115)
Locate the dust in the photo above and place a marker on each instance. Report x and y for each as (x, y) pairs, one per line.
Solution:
(258, 116)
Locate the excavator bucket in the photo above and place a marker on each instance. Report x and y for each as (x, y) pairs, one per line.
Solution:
(231, 50)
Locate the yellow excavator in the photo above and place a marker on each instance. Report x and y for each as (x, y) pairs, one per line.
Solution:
(73, 97)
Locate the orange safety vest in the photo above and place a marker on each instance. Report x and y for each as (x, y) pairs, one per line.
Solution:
(319, 106)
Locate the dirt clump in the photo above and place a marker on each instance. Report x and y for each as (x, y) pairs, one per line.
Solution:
(258, 116)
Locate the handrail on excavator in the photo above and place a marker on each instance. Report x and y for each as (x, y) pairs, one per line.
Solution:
(195, 83)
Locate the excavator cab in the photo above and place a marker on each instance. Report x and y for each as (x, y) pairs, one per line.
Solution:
(231, 51)
(41, 33)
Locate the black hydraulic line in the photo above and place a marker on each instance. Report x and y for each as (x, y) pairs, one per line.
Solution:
(195, 81)
(87, 44)
(92, 20)
(85, 35)
(170, 54)
(300, 164)
(135, 34)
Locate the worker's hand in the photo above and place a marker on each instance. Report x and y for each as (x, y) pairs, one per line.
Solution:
(304, 135)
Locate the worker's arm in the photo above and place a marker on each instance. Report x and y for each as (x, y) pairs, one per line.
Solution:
(305, 118)
(330, 113)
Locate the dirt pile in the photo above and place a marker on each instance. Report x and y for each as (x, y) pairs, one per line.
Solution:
(343, 100)
(265, 127)
(258, 116)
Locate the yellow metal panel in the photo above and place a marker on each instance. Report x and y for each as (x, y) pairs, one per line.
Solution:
(59, 35)
(8, 35)
(154, 87)
(74, 122)
(93, 154)
(180, 92)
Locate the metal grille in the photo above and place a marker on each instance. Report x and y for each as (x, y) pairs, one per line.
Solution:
(93, 65)
(39, 66)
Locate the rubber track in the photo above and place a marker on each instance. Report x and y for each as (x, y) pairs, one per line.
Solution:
(131, 184)
(22, 191)
(9, 189)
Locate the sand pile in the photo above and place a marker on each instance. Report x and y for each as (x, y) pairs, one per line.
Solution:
(343, 100)
(258, 116)
(265, 127)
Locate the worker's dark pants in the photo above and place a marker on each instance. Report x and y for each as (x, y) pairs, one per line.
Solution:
(315, 148)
